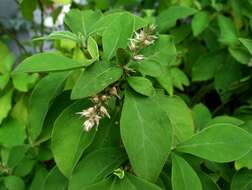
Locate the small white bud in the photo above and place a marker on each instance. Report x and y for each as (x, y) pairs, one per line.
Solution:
(88, 125)
(138, 57)
(104, 111)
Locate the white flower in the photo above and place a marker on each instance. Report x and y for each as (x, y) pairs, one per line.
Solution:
(138, 57)
(87, 112)
(104, 111)
(88, 124)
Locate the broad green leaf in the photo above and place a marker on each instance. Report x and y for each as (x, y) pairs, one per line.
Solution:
(20, 110)
(93, 48)
(12, 133)
(149, 67)
(45, 62)
(27, 8)
(179, 78)
(5, 104)
(240, 54)
(25, 166)
(242, 180)
(95, 79)
(225, 119)
(69, 137)
(4, 79)
(55, 180)
(14, 183)
(218, 143)
(96, 166)
(168, 18)
(129, 182)
(228, 34)
(60, 35)
(247, 43)
(183, 175)
(38, 179)
(146, 134)
(23, 82)
(41, 99)
(165, 80)
(180, 116)
(201, 116)
(207, 182)
(81, 22)
(141, 85)
(200, 22)
(206, 66)
(123, 27)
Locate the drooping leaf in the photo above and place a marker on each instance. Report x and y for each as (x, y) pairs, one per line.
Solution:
(5, 104)
(240, 54)
(242, 180)
(45, 62)
(183, 175)
(94, 79)
(141, 85)
(218, 143)
(68, 136)
(96, 166)
(146, 134)
(41, 99)
(247, 43)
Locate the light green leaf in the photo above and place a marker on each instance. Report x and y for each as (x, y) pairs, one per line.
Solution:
(242, 180)
(93, 48)
(96, 166)
(60, 35)
(123, 27)
(69, 137)
(218, 143)
(82, 21)
(45, 62)
(55, 180)
(179, 78)
(23, 81)
(247, 43)
(168, 18)
(146, 134)
(5, 104)
(4, 79)
(165, 80)
(200, 22)
(180, 116)
(201, 116)
(141, 85)
(12, 133)
(240, 54)
(96, 78)
(183, 175)
(228, 34)
(41, 99)
(149, 67)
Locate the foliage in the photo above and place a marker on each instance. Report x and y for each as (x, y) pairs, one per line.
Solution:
(160, 99)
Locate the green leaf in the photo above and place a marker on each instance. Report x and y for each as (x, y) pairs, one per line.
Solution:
(168, 18)
(55, 180)
(96, 78)
(5, 104)
(242, 180)
(180, 116)
(96, 166)
(228, 34)
(201, 115)
(12, 133)
(68, 136)
(247, 43)
(41, 99)
(123, 27)
(93, 48)
(240, 54)
(200, 22)
(207, 182)
(146, 134)
(179, 78)
(218, 143)
(60, 35)
(4, 79)
(38, 179)
(14, 183)
(206, 66)
(141, 85)
(23, 81)
(129, 182)
(183, 175)
(148, 66)
(165, 80)
(82, 21)
(45, 62)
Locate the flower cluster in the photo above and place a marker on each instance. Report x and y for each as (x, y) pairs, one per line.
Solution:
(140, 40)
(98, 111)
